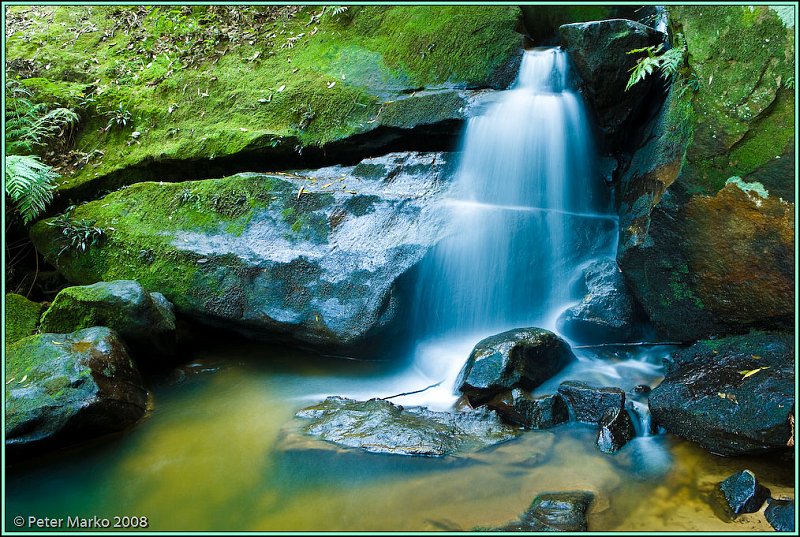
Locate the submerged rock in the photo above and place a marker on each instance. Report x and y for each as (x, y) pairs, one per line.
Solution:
(780, 514)
(743, 493)
(599, 51)
(519, 408)
(523, 357)
(557, 511)
(379, 426)
(144, 320)
(589, 404)
(310, 257)
(733, 396)
(616, 430)
(66, 388)
(607, 312)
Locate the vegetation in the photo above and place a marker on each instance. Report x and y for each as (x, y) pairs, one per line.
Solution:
(666, 61)
(76, 235)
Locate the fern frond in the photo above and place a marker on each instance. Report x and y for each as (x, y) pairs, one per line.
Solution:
(29, 185)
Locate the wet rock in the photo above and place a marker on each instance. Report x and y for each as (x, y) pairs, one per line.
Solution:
(378, 426)
(607, 312)
(311, 257)
(519, 408)
(523, 357)
(599, 51)
(616, 430)
(743, 493)
(733, 396)
(642, 389)
(145, 321)
(66, 388)
(780, 514)
(558, 511)
(589, 404)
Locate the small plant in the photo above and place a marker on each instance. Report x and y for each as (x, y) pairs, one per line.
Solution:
(186, 196)
(29, 185)
(119, 116)
(31, 125)
(668, 62)
(76, 235)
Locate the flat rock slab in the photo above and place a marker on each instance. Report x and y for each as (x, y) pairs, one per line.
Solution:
(379, 426)
(66, 388)
(523, 357)
(733, 396)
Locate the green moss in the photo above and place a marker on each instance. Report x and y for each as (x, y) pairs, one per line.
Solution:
(22, 317)
(421, 109)
(369, 171)
(330, 84)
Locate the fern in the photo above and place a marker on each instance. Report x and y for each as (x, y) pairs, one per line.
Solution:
(31, 125)
(668, 62)
(29, 185)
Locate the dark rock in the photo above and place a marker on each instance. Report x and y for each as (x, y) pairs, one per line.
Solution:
(523, 357)
(733, 396)
(607, 312)
(66, 388)
(590, 403)
(780, 514)
(616, 430)
(310, 257)
(145, 321)
(743, 493)
(599, 51)
(557, 511)
(378, 426)
(517, 407)
(642, 388)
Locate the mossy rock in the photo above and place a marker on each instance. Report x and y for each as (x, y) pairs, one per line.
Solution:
(312, 256)
(22, 317)
(145, 321)
(706, 231)
(285, 79)
(67, 388)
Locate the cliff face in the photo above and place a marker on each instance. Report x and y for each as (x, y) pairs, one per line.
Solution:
(707, 202)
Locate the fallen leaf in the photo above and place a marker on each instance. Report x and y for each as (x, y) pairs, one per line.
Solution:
(283, 87)
(9, 381)
(23, 379)
(332, 84)
(326, 185)
(751, 372)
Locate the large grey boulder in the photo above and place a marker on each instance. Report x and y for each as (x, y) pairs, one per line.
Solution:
(312, 256)
(66, 388)
(733, 396)
(146, 321)
(519, 358)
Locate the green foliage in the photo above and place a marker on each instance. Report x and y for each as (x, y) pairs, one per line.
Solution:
(29, 185)
(76, 235)
(119, 116)
(668, 62)
(31, 125)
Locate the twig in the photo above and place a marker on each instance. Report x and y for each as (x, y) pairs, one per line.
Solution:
(637, 344)
(411, 393)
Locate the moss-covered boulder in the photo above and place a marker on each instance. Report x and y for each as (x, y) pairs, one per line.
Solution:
(312, 256)
(733, 396)
(210, 90)
(379, 426)
(706, 204)
(145, 321)
(22, 317)
(67, 388)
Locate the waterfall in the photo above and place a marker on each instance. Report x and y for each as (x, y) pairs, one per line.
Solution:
(526, 210)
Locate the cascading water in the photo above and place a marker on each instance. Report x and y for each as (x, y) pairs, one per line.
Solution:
(525, 212)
